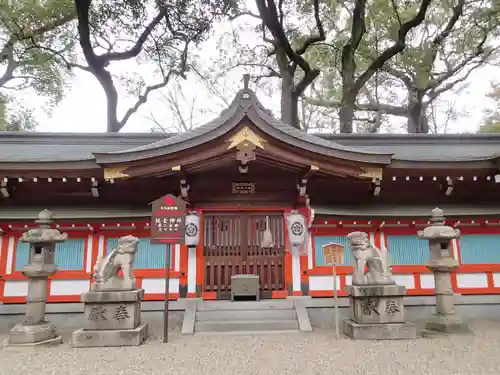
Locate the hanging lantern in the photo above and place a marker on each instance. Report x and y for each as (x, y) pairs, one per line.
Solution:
(192, 229)
(297, 230)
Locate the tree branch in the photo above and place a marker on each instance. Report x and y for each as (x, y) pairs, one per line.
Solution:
(396, 48)
(180, 71)
(314, 38)
(433, 95)
(399, 74)
(451, 71)
(269, 15)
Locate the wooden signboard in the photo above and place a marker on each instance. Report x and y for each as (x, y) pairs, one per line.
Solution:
(243, 188)
(334, 254)
(168, 220)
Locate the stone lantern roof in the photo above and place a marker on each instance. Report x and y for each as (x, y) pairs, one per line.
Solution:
(44, 233)
(437, 230)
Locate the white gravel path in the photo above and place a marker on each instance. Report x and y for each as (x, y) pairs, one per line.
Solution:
(301, 353)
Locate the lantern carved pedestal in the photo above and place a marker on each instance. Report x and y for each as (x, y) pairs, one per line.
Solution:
(34, 330)
(442, 262)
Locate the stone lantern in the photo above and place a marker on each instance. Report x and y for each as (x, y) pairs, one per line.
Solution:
(34, 330)
(442, 262)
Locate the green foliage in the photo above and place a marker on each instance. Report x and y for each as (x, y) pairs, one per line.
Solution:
(491, 120)
(490, 126)
(38, 41)
(429, 63)
(21, 120)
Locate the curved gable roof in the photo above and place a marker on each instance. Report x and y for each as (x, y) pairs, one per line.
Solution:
(245, 105)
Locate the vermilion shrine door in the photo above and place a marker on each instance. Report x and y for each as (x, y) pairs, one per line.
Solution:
(232, 244)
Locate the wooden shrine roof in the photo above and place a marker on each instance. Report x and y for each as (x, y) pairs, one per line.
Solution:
(88, 150)
(44, 146)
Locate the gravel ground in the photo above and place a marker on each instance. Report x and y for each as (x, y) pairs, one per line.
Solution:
(301, 353)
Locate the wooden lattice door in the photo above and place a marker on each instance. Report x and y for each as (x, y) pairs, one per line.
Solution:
(232, 244)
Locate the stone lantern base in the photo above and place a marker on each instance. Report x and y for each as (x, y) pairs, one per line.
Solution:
(376, 312)
(112, 318)
(34, 334)
(446, 323)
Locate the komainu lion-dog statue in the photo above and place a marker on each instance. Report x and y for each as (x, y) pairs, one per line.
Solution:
(105, 276)
(376, 260)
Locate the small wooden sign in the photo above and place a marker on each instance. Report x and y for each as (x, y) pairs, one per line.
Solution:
(243, 188)
(334, 254)
(167, 220)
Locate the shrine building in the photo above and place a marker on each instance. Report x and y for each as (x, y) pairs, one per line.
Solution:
(242, 173)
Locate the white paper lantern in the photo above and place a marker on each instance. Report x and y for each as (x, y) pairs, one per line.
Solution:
(297, 229)
(192, 229)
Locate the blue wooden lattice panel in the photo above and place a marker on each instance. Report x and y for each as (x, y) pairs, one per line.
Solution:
(320, 241)
(480, 249)
(407, 250)
(22, 255)
(69, 254)
(147, 256)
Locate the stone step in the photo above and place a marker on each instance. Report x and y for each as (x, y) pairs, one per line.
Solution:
(284, 304)
(233, 315)
(246, 325)
(249, 333)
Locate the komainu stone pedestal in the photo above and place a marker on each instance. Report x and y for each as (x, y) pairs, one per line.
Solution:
(376, 312)
(111, 319)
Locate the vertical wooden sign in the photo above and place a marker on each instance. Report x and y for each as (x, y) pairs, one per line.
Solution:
(167, 227)
(334, 256)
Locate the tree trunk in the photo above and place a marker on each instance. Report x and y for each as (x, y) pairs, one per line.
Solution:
(106, 81)
(346, 112)
(289, 102)
(417, 118)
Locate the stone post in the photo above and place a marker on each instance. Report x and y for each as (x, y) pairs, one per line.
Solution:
(442, 262)
(34, 330)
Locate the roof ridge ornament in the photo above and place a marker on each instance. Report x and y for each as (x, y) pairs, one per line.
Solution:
(246, 81)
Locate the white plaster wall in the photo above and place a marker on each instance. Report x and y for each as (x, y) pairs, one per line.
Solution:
(496, 279)
(310, 250)
(407, 280)
(157, 285)
(454, 244)
(88, 261)
(348, 279)
(10, 255)
(322, 283)
(427, 281)
(68, 287)
(472, 280)
(177, 257)
(296, 269)
(15, 288)
(100, 249)
(191, 276)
